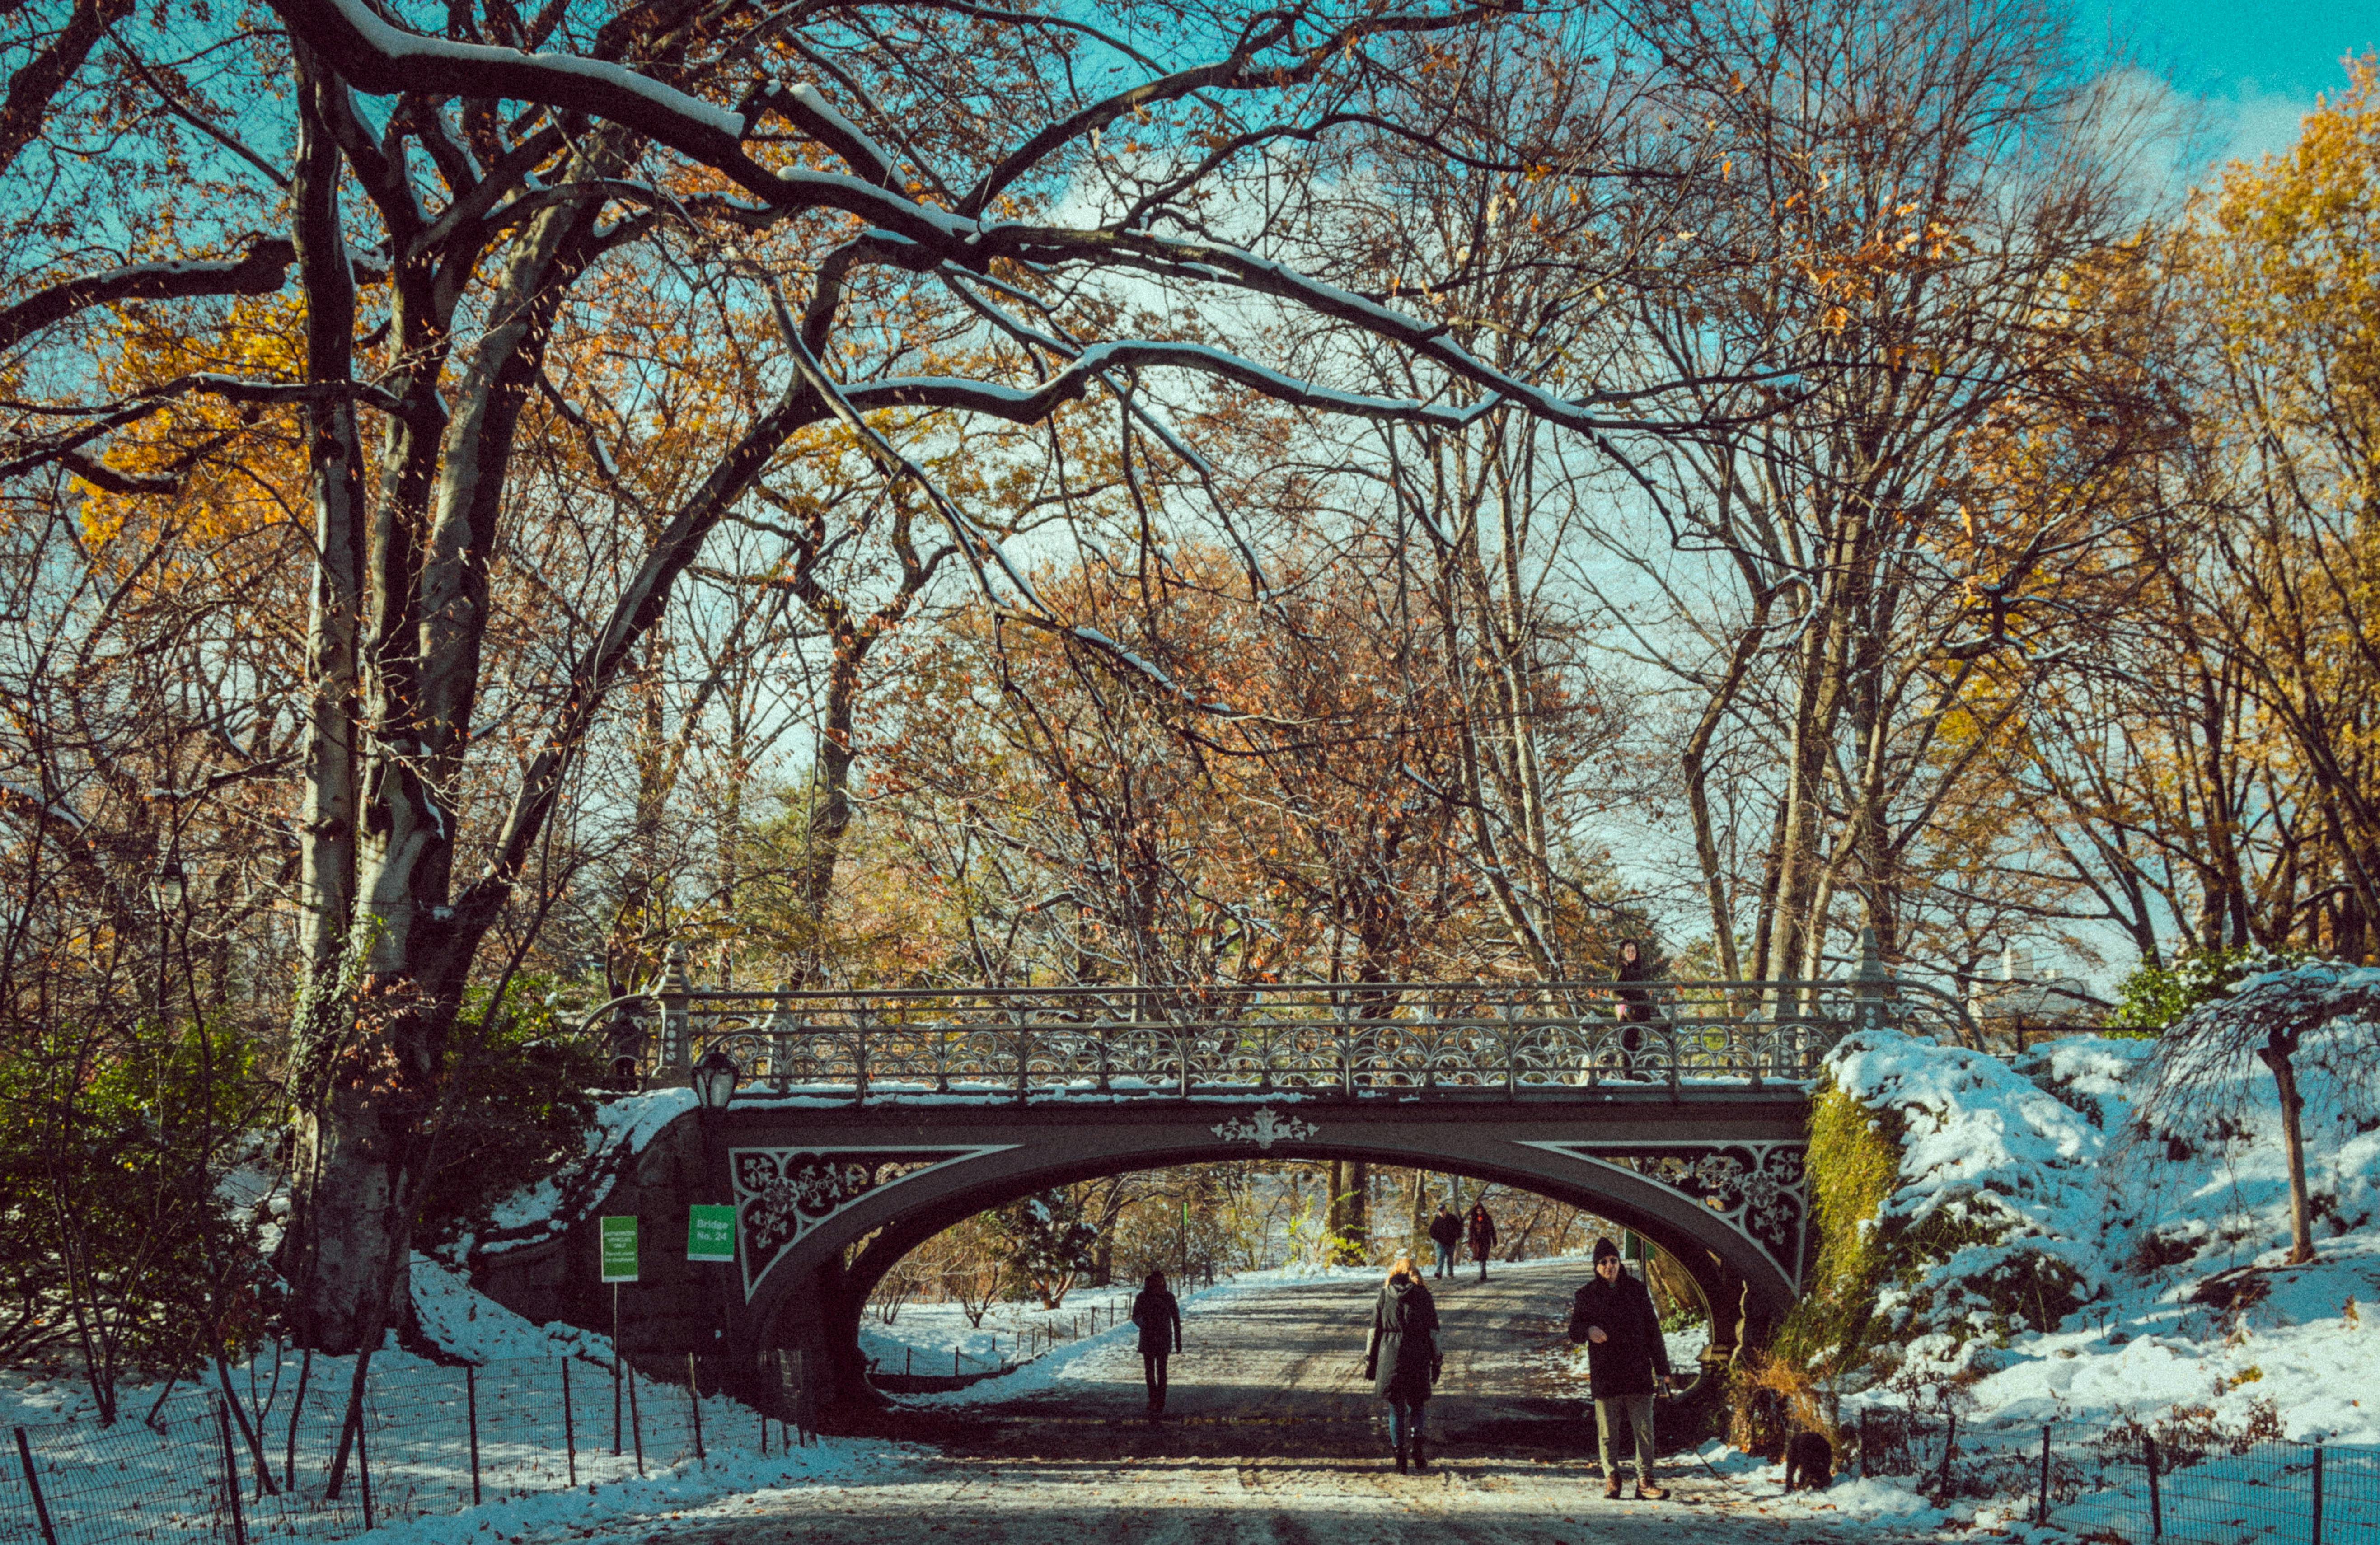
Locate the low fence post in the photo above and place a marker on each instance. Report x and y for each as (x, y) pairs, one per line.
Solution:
(2156, 1508)
(2041, 1512)
(694, 1399)
(2317, 1495)
(1866, 1427)
(636, 1424)
(1949, 1447)
(297, 1413)
(569, 1433)
(231, 1475)
(33, 1484)
(472, 1411)
(363, 1465)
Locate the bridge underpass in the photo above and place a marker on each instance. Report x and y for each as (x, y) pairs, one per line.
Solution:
(864, 1123)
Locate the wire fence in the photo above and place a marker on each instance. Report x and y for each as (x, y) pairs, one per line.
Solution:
(431, 1439)
(2182, 1478)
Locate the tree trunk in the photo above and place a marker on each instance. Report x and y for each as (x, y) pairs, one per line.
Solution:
(2278, 1054)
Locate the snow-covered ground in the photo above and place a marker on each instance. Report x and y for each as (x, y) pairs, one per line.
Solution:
(938, 1338)
(131, 1481)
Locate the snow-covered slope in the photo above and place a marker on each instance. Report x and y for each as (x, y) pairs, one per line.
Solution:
(2175, 1221)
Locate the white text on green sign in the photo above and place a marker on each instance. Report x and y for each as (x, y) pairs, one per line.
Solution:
(711, 1233)
(619, 1236)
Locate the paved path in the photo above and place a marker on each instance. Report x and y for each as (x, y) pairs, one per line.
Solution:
(1271, 1439)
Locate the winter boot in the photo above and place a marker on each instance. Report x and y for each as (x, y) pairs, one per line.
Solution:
(1401, 1461)
(1612, 1487)
(1649, 1492)
(1421, 1460)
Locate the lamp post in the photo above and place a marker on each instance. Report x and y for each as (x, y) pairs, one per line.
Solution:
(714, 1078)
(167, 888)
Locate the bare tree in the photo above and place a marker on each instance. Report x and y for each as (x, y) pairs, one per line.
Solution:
(2199, 1061)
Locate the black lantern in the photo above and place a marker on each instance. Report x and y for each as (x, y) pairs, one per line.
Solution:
(714, 1079)
(166, 886)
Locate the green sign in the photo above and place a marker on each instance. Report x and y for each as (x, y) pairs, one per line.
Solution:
(619, 1236)
(711, 1233)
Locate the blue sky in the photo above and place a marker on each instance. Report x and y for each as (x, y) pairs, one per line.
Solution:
(2260, 61)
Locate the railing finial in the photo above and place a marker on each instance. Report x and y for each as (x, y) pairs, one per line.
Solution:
(1871, 965)
(676, 1027)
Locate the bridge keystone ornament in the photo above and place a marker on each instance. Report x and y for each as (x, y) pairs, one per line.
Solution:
(1267, 1128)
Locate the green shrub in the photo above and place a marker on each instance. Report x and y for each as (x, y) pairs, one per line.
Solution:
(118, 1246)
(527, 1096)
(2151, 997)
(1854, 1167)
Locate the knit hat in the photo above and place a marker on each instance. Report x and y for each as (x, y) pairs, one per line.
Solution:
(1606, 1248)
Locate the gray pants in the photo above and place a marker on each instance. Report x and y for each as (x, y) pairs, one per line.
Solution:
(1636, 1410)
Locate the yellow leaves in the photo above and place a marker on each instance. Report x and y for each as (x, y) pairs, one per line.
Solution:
(241, 466)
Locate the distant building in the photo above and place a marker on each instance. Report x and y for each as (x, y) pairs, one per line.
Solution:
(2021, 1005)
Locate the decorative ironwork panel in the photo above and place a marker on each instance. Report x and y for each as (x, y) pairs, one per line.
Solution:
(1388, 1039)
(1760, 1190)
(784, 1193)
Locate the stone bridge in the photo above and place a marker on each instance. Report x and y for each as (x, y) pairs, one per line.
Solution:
(864, 1123)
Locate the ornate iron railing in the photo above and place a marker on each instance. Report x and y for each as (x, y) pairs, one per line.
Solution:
(1382, 1039)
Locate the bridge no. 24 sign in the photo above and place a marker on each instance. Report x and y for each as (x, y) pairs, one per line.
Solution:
(711, 1232)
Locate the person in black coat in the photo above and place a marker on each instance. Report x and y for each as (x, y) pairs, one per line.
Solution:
(1636, 1004)
(1402, 1359)
(1446, 1233)
(1158, 1315)
(1626, 1361)
(1480, 1229)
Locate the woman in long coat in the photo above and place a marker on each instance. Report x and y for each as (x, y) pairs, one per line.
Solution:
(1158, 1315)
(1480, 1229)
(1402, 1358)
(1637, 1008)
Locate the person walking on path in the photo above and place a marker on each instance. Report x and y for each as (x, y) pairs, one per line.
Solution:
(1481, 1231)
(1402, 1359)
(1158, 1315)
(1626, 1357)
(1446, 1233)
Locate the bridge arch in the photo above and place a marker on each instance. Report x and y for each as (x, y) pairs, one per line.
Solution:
(828, 1201)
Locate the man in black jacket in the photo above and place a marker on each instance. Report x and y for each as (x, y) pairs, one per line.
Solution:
(1446, 1233)
(1626, 1357)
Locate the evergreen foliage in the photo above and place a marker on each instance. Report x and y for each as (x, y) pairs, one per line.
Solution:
(2154, 996)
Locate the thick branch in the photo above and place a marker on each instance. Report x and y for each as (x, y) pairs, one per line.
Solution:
(31, 89)
(260, 271)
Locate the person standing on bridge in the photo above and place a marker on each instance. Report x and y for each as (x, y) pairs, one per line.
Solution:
(1481, 1231)
(1637, 1008)
(1446, 1233)
(1613, 1315)
(1158, 1315)
(1402, 1359)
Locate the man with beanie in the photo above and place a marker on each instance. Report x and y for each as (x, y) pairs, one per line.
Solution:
(1446, 1233)
(1625, 1355)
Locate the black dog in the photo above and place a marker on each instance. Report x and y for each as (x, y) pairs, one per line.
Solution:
(1809, 1461)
